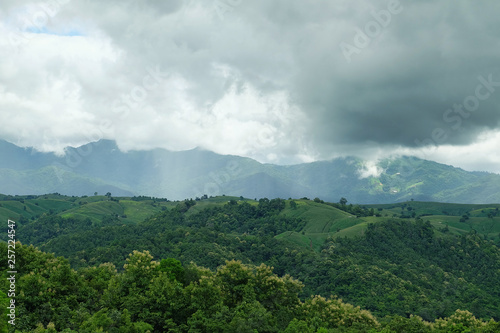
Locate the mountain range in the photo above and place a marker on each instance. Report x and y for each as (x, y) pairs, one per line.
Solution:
(102, 167)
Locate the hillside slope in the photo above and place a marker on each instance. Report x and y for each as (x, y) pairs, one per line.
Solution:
(101, 167)
(389, 265)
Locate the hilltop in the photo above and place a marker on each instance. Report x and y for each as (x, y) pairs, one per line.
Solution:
(102, 167)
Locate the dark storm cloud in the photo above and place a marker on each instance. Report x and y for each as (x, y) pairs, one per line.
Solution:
(281, 81)
(398, 89)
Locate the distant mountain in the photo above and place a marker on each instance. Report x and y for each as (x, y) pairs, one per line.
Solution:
(101, 167)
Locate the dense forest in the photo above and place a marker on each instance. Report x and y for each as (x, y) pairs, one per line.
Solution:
(195, 267)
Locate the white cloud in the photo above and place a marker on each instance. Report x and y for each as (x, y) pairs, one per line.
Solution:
(267, 80)
(369, 169)
(481, 155)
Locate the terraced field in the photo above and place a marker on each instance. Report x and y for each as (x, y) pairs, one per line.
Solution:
(322, 219)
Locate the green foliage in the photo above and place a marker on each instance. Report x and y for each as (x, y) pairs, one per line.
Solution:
(414, 324)
(114, 321)
(4, 303)
(405, 271)
(298, 326)
(233, 298)
(173, 268)
(319, 312)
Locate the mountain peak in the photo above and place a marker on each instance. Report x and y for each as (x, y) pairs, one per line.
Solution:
(195, 172)
(101, 144)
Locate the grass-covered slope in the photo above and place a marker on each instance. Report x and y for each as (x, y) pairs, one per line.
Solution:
(95, 208)
(380, 258)
(322, 222)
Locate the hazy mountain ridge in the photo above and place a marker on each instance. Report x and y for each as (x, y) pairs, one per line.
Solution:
(102, 167)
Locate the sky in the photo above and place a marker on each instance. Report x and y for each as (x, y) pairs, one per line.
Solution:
(282, 81)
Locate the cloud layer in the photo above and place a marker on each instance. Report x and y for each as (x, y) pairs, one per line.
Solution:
(281, 81)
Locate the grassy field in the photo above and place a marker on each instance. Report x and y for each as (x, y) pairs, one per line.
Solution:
(129, 211)
(436, 208)
(95, 208)
(32, 208)
(322, 220)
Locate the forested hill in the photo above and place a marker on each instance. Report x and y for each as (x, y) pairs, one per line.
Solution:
(176, 269)
(101, 167)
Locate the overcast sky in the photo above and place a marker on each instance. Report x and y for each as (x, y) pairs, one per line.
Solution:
(281, 81)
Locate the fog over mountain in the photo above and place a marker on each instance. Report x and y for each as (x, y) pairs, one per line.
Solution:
(102, 167)
(282, 82)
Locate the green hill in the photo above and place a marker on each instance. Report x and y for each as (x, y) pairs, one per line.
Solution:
(160, 294)
(322, 221)
(482, 219)
(128, 209)
(375, 256)
(196, 172)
